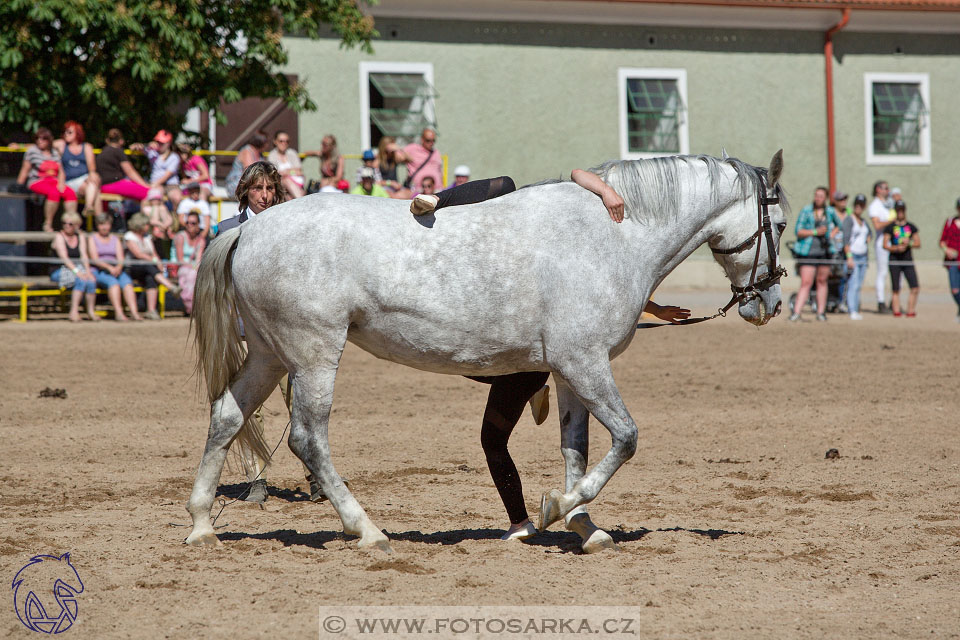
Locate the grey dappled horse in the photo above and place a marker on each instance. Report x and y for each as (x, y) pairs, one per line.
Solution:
(537, 280)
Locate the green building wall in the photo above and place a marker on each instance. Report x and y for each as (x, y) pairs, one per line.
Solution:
(536, 100)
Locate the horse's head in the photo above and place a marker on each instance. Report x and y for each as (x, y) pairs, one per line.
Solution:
(747, 245)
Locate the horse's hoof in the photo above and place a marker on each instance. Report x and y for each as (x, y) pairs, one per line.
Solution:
(208, 539)
(524, 532)
(550, 510)
(380, 544)
(599, 541)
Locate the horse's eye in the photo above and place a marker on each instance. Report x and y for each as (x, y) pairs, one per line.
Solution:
(780, 227)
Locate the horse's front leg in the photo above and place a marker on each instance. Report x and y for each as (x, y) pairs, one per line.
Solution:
(310, 413)
(574, 446)
(592, 382)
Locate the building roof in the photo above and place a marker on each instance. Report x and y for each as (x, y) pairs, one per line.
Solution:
(873, 5)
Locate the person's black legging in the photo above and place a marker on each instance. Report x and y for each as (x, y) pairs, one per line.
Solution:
(509, 394)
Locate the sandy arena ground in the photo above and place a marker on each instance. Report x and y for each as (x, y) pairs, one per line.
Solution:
(731, 523)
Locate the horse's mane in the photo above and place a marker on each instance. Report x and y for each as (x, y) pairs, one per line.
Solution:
(651, 188)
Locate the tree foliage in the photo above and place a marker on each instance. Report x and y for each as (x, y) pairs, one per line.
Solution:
(135, 64)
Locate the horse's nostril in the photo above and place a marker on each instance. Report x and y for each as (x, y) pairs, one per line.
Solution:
(776, 310)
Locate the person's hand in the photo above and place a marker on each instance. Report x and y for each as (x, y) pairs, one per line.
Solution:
(821, 230)
(668, 313)
(951, 253)
(136, 146)
(85, 275)
(850, 263)
(614, 204)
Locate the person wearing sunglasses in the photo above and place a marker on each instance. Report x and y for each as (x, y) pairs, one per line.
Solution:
(287, 162)
(188, 246)
(42, 173)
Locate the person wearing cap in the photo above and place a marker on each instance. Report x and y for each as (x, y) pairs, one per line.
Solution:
(880, 216)
(900, 238)
(856, 241)
(461, 175)
(164, 180)
(896, 195)
(369, 159)
(950, 243)
(816, 227)
(287, 161)
(367, 186)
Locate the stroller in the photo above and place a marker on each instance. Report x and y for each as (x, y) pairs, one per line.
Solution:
(834, 282)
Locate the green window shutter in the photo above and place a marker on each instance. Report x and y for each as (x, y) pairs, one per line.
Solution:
(898, 117)
(654, 109)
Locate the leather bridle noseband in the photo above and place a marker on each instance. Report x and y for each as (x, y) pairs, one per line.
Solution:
(774, 271)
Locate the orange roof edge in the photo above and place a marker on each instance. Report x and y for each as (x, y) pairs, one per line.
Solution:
(872, 5)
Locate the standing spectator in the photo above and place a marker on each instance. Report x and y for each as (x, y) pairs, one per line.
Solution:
(248, 154)
(950, 243)
(79, 165)
(369, 160)
(367, 186)
(106, 254)
(189, 244)
(880, 217)
(461, 175)
(900, 237)
(423, 160)
(72, 250)
(331, 162)
(164, 180)
(139, 246)
(117, 173)
(856, 240)
(287, 162)
(195, 169)
(815, 229)
(839, 203)
(386, 164)
(194, 202)
(42, 173)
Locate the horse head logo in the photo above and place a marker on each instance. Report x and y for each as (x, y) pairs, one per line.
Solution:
(43, 581)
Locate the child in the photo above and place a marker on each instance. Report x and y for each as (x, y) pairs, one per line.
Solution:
(900, 238)
(164, 177)
(369, 160)
(195, 169)
(194, 201)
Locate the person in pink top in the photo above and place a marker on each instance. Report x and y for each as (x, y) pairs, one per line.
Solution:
(195, 169)
(422, 159)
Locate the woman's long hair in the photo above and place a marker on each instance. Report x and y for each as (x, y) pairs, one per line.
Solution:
(260, 170)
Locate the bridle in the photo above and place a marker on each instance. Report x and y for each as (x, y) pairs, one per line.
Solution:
(774, 271)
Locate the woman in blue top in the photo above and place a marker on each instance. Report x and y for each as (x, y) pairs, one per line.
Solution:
(817, 224)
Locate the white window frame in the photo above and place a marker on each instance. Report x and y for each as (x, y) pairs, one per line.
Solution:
(630, 73)
(366, 68)
(923, 79)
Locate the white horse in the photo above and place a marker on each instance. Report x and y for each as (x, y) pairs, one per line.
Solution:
(537, 280)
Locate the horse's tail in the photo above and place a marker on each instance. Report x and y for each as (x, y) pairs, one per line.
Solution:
(215, 322)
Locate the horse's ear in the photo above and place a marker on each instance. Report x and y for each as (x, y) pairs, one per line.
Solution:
(723, 154)
(776, 169)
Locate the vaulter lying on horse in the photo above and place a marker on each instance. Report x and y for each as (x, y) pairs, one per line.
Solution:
(556, 289)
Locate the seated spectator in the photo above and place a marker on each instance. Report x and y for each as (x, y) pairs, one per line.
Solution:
(287, 162)
(428, 186)
(164, 181)
(341, 187)
(79, 165)
(251, 152)
(195, 169)
(367, 186)
(75, 272)
(331, 162)
(42, 173)
(386, 164)
(950, 244)
(461, 175)
(194, 202)
(139, 246)
(900, 238)
(369, 159)
(106, 254)
(189, 244)
(117, 174)
(423, 160)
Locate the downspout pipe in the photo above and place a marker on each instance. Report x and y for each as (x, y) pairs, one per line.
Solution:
(831, 130)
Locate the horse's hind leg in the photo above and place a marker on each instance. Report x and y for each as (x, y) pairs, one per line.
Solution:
(574, 445)
(592, 382)
(252, 386)
(312, 399)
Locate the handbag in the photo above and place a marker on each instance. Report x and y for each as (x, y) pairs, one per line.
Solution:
(64, 277)
(409, 180)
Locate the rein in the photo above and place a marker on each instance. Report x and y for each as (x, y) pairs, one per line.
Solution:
(753, 288)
